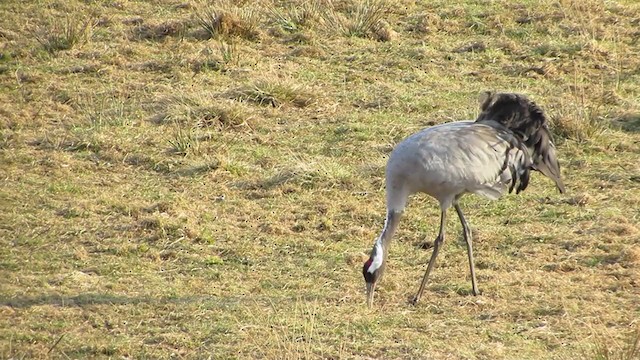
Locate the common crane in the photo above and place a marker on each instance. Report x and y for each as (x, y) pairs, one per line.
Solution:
(488, 156)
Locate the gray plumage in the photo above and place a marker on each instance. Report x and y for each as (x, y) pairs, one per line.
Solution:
(448, 160)
(488, 157)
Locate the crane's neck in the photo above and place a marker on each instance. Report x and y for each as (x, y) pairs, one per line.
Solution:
(381, 247)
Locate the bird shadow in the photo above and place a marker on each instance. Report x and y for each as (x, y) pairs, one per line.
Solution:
(88, 299)
(93, 299)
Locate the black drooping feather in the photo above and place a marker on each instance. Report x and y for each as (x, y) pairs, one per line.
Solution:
(519, 170)
(528, 123)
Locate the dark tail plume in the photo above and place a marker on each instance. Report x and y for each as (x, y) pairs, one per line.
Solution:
(527, 121)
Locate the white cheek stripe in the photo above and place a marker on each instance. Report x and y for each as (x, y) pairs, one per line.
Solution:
(377, 259)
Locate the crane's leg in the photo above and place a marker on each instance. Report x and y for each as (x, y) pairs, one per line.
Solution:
(467, 238)
(436, 247)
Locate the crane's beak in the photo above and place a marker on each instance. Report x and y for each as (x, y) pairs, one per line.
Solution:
(371, 287)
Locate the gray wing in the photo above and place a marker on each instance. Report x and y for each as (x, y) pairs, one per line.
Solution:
(448, 160)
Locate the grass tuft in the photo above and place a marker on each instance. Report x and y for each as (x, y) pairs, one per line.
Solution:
(63, 33)
(222, 57)
(225, 19)
(581, 125)
(615, 350)
(158, 31)
(274, 93)
(579, 119)
(66, 142)
(222, 117)
(361, 21)
(206, 112)
(106, 109)
(293, 17)
(584, 114)
(228, 53)
(183, 140)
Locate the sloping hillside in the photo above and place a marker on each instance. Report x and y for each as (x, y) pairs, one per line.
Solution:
(192, 180)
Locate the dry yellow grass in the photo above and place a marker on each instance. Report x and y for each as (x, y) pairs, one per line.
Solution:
(172, 191)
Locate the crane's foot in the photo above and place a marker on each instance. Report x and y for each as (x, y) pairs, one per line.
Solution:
(415, 300)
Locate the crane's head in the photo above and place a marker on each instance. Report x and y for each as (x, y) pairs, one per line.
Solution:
(372, 271)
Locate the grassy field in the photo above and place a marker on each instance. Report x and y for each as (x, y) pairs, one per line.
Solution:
(189, 180)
